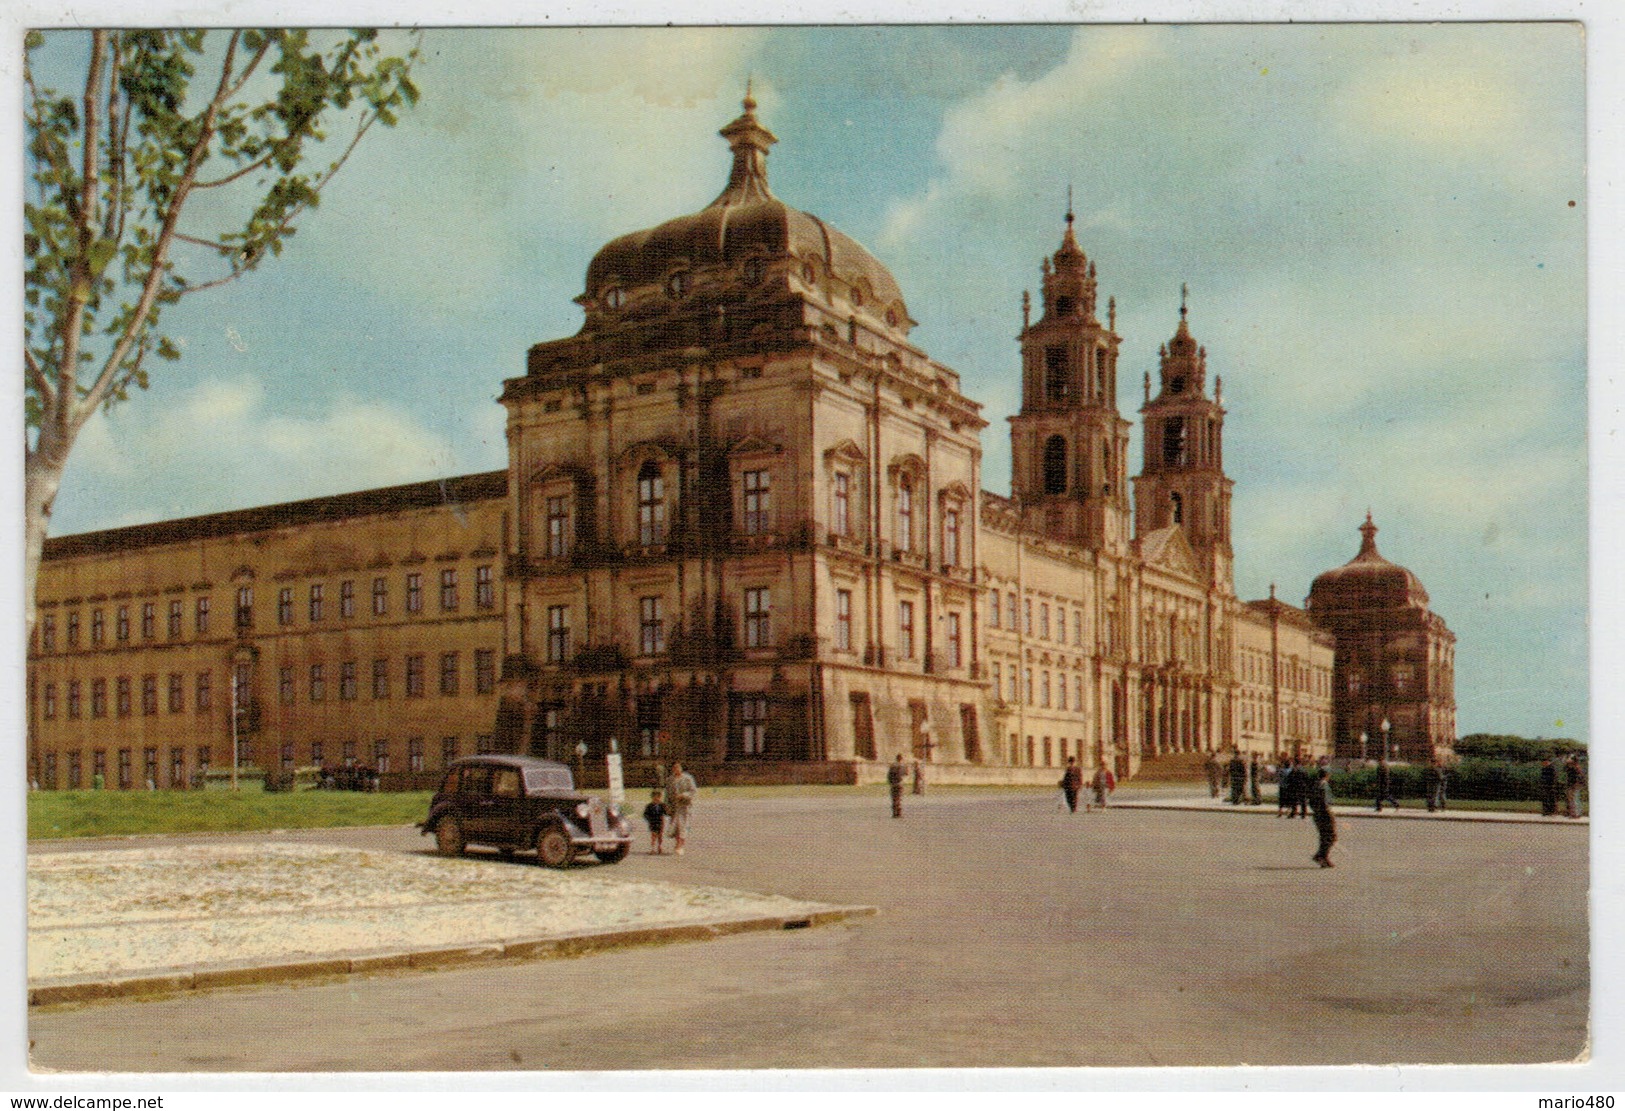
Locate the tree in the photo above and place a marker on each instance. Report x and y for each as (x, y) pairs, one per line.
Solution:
(165, 118)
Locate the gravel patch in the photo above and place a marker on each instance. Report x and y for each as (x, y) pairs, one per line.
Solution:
(124, 912)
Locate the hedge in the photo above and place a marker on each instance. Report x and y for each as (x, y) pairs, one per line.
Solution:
(1467, 779)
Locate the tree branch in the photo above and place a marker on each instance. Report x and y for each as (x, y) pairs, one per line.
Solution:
(42, 384)
(234, 175)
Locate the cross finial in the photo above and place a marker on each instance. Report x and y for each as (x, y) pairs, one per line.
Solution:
(750, 101)
(1184, 295)
(1069, 216)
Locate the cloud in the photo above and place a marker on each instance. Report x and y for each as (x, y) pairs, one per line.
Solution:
(219, 446)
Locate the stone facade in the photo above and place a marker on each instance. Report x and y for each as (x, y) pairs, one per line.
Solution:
(742, 525)
(362, 630)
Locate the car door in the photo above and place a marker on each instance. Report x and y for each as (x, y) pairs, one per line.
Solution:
(506, 810)
(475, 807)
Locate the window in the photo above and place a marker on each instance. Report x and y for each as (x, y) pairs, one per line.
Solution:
(177, 692)
(1060, 691)
(558, 634)
(98, 766)
(863, 726)
(414, 593)
(285, 693)
(449, 673)
(414, 754)
(758, 632)
(905, 513)
(318, 682)
(448, 750)
(315, 601)
(1077, 628)
(149, 763)
(1177, 505)
(48, 633)
(954, 641)
(1055, 465)
(245, 607)
(380, 756)
(950, 537)
(75, 770)
(50, 771)
(380, 678)
(1077, 692)
(485, 594)
(1010, 611)
(121, 696)
(485, 670)
(73, 629)
(905, 630)
(752, 726)
(414, 676)
(651, 626)
(49, 710)
(1043, 620)
(651, 506)
(200, 615)
(1027, 673)
(971, 732)
(843, 620)
(126, 770)
(317, 756)
(98, 698)
(448, 588)
(349, 754)
(998, 682)
(1057, 370)
(203, 697)
(1043, 690)
(98, 627)
(347, 684)
(558, 526)
(284, 606)
(757, 505)
(1027, 616)
(149, 621)
(841, 510)
(347, 598)
(993, 606)
(121, 624)
(380, 596)
(1173, 442)
(177, 767)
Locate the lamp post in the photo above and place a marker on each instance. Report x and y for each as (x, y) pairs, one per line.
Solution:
(1362, 746)
(1390, 753)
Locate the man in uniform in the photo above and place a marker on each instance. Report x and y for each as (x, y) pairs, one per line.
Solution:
(1320, 806)
(894, 779)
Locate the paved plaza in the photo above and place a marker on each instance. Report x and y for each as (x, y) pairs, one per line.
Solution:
(1009, 933)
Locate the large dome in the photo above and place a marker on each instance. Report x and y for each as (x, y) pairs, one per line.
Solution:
(745, 238)
(1368, 581)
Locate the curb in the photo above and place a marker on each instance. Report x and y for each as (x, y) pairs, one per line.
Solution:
(1482, 817)
(558, 946)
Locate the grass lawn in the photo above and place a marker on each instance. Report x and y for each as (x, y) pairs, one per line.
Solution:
(53, 814)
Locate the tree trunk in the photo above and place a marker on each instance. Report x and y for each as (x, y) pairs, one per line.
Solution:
(42, 477)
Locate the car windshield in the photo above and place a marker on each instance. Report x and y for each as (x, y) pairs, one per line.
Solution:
(547, 779)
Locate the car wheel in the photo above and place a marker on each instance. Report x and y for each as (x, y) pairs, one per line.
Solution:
(553, 848)
(448, 837)
(613, 856)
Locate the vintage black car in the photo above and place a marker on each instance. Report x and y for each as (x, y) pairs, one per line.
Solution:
(521, 802)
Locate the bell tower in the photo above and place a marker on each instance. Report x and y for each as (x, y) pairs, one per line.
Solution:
(1182, 482)
(1069, 444)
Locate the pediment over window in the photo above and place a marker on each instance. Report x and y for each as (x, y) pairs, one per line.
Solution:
(558, 472)
(955, 491)
(846, 452)
(753, 444)
(909, 464)
(643, 451)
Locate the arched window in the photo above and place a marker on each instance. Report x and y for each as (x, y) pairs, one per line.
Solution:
(1055, 465)
(1178, 504)
(905, 513)
(1173, 441)
(1057, 373)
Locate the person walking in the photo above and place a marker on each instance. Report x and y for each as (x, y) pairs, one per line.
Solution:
(655, 816)
(1238, 777)
(1104, 783)
(1214, 774)
(1433, 784)
(1320, 805)
(680, 792)
(1385, 785)
(1072, 783)
(894, 780)
(1548, 788)
(1286, 788)
(919, 778)
(1574, 778)
(1255, 778)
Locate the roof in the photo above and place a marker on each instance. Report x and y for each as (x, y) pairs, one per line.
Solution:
(1368, 581)
(458, 490)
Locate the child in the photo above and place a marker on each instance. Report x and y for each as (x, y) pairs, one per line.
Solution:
(655, 815)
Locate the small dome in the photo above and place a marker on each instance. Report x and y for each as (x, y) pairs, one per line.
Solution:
(745, 223)
(1368, 581)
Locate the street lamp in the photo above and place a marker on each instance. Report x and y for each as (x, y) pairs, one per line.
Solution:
(1390, 752)
(1362, 746)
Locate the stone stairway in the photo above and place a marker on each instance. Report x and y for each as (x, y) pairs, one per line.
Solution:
(1173, 767)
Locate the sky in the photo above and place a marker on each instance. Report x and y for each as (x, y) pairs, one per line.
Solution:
(1383, 228)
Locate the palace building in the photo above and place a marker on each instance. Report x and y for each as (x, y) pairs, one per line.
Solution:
(742, 525)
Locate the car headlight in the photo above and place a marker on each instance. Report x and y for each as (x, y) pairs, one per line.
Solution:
(583, 809)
